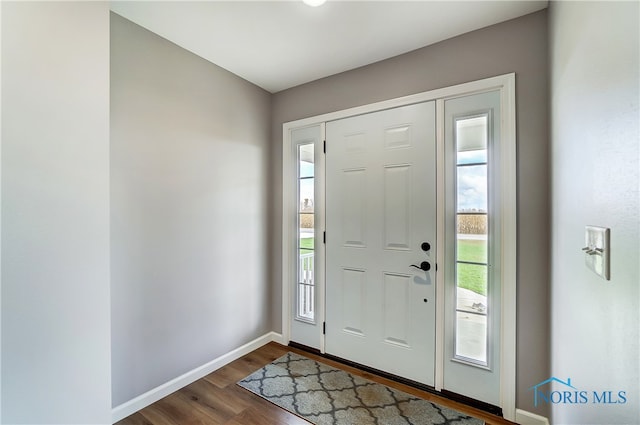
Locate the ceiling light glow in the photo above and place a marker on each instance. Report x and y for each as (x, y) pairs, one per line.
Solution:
(314, 3)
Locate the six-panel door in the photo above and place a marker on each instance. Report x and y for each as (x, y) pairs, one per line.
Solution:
(381, 209)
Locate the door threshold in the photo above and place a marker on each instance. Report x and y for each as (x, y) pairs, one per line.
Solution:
(489, 408)
(306, 348)
(471, 402)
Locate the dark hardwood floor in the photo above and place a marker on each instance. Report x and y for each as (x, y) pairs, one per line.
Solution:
(217, 400)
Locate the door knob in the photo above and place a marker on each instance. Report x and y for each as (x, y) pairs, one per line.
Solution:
(426, 246)
(423, 266)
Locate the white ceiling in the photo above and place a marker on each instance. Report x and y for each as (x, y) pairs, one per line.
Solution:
(281, 44)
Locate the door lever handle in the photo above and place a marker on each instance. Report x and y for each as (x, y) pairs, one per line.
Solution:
(425, 266)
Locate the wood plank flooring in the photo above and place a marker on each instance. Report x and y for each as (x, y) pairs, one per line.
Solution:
(217, 400)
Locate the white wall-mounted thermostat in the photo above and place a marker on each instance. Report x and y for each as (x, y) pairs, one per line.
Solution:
(596, 250)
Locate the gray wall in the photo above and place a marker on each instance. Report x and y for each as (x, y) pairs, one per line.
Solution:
(518, 46)
(189, 161)
(594, 49)
(55, 213)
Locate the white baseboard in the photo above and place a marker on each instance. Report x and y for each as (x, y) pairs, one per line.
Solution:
(279, 338)
(132, 406)
(527, 418)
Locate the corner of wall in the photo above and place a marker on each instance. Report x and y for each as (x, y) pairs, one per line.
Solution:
(140, 402)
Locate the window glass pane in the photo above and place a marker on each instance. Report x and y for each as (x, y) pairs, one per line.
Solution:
(471, 133)
(471, 337)
(471, 312)
(306, 195)
(472, 157)
(306, 242)
(472, 188)
(472, 238)
(305, 160)
(306, 169)
(306, 231)
(473, 278)
(305, 288)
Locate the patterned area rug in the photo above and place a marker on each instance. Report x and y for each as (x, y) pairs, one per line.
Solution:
(324, 395)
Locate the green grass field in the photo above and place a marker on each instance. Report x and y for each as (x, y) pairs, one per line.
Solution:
(470, 276)
(306, 246)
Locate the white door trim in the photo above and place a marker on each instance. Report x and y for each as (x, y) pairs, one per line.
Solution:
(440, 243)
(506, 85)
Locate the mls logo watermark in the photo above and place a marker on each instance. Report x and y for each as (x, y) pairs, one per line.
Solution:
(572, 395)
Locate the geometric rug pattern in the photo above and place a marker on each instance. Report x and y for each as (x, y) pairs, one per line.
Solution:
(324, 395)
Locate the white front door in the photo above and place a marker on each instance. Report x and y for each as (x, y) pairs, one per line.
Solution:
(380, 229)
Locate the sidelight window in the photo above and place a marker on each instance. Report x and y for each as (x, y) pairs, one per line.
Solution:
(472, 241)
(305, 297)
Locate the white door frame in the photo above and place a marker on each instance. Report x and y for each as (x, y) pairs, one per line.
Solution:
(506, 85)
